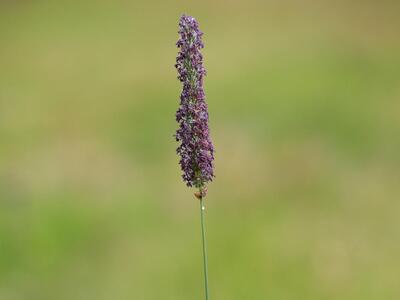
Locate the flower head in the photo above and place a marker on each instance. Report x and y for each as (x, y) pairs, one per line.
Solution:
(196, 149)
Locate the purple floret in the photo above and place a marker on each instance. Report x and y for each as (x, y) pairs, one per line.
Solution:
(196, 149)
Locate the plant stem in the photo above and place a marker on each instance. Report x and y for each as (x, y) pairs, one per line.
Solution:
(203, 234)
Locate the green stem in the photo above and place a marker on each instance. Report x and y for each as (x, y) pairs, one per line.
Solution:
(203, 234)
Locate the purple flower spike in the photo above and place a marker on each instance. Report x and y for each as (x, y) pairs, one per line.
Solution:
(196, 149)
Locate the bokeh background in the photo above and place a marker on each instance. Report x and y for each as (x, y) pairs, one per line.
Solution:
(304, 100)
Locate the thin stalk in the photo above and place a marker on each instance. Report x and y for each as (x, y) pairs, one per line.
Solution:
(203, 234)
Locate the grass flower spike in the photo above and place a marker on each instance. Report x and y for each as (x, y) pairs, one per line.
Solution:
(196, 149)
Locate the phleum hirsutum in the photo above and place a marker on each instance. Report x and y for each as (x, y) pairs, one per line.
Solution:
(195, 149)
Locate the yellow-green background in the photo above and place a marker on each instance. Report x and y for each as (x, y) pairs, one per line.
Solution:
(304, 100)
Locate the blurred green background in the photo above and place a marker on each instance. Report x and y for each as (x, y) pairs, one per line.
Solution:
(304, 100)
